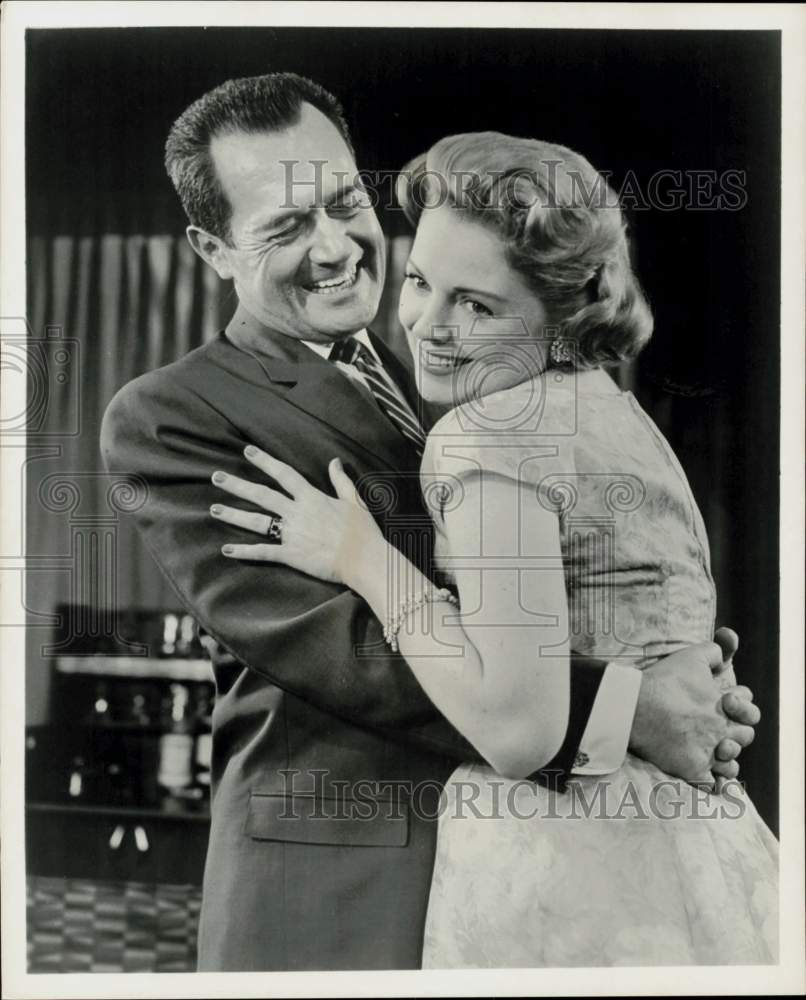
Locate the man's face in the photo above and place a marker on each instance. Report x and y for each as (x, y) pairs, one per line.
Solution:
(307, 255)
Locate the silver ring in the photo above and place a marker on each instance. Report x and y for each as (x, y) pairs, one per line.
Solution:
(275, 529)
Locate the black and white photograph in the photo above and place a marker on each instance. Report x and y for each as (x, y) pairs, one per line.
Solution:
(402, 533)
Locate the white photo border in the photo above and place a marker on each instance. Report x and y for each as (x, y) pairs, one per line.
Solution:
(785, 978)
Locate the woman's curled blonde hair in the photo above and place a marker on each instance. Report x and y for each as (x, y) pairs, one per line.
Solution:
(560, 223)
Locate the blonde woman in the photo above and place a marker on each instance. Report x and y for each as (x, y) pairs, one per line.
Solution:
(564, 524)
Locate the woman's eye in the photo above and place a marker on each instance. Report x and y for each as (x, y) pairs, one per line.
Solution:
(477, 308)
(416, 280)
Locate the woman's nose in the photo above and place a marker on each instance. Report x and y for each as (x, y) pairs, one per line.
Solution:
(432, 324)
(443, 333)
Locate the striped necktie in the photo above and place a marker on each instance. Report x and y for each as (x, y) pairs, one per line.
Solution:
(387, 395)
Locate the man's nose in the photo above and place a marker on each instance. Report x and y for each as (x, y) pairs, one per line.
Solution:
(331, 244)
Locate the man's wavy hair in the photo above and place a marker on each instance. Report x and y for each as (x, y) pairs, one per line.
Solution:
(266, 103)
(561, 227)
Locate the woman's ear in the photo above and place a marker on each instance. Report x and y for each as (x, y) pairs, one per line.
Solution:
(212, 250)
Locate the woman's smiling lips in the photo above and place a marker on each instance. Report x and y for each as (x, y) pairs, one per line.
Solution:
(439, 360)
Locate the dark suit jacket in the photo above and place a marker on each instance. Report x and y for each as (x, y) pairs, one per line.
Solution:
(328, 757)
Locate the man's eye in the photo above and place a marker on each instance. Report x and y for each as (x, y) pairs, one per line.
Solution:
(351, 203)
(290, 230)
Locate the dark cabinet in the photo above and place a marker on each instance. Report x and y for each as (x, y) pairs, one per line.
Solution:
(116, 831)
(134, 845)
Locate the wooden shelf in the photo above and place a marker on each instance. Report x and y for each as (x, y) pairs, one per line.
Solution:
(136, 667)
(198, 813)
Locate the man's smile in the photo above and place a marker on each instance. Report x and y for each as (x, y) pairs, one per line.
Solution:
(341, 282)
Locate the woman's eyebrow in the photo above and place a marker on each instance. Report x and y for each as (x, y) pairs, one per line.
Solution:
(479, 291)
(457, 289)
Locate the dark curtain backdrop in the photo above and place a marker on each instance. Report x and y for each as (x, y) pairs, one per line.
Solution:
(108, 263)
(133, 303)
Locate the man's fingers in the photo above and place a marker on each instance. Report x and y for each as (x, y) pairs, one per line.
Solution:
(725, 769)
(728, 642)
(743, 735)
(727, 749)
(713, 654)
(740, 709)
(742, 692)
(289, 479)
(705, 781)
(726, 678)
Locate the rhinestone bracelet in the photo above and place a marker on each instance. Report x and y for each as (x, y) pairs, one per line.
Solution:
(408, 607)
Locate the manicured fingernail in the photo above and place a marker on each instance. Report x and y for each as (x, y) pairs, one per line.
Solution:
(227, 550)
(250, 451)
(219, 477)
(215, 510)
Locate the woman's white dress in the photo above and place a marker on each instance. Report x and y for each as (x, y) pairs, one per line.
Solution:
(633, 868)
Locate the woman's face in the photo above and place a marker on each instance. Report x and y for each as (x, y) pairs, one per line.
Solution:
(472, 323)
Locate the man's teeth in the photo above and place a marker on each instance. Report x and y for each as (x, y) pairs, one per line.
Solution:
(335, 284)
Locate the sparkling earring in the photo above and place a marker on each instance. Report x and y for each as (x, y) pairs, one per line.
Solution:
(560, 351)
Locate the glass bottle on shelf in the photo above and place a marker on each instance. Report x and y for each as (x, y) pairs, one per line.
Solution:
(175, 770)
(139, 714)
(188, 644)
(170, 635)
(101, 712)
(204, 740)
(77, 778)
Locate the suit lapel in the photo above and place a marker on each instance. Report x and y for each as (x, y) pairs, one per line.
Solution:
(316, 386)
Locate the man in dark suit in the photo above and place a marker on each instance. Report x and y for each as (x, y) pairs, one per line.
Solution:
(328, 757)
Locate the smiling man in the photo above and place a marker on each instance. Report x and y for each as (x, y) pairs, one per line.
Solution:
(302, 246)
(328, 758)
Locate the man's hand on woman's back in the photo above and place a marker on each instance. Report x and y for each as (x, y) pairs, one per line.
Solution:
(692, 719)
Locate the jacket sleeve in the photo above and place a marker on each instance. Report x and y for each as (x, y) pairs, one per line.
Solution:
(316, 640)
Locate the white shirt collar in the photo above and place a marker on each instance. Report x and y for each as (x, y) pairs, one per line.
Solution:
(323, 350)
